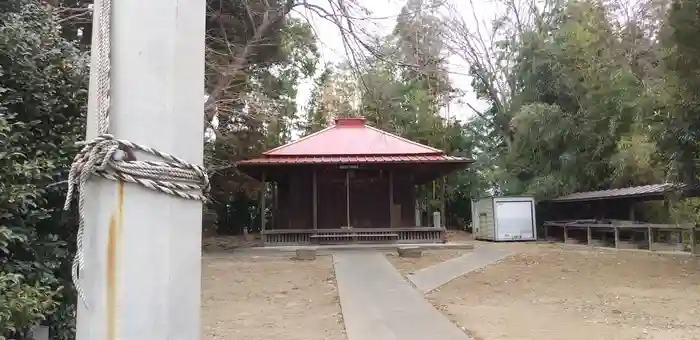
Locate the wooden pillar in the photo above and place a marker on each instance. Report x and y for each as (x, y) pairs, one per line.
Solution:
(275, 206)
(416, 203)
(347, 197)
(631, 212)
(429, 197)
(589, 233)
(391, 198)
(617, 238)
(263, 191)
(443, 215)
(315, 200)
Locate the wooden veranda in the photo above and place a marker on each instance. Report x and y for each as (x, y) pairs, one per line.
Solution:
(349, 183)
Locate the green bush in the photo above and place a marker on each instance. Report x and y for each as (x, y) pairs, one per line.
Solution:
(43, 96)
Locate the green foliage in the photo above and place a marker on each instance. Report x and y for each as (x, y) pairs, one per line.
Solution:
(578, 113)
(258, 110)
(680, 116)
(23, 305)
(686, 211)
(43, 81)
(25, 283)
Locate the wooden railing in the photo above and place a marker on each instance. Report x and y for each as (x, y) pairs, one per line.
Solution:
(615, 227)
(362, 235)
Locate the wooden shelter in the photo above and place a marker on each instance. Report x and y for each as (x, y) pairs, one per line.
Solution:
(348, 183)
(610, 218)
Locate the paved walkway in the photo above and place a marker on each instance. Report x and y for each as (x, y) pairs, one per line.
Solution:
(428, 279)
(378, 304)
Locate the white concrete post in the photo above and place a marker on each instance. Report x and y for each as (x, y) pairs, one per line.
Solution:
(436, 219)
(417, 212)
(143, 248)
(40, 333)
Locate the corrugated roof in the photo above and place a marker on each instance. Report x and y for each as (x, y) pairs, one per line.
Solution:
(352, 137)
(355, 159)
(640, 191)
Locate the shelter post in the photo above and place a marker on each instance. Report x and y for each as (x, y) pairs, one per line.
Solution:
(631, 212)
(142, 268)
(589, 236)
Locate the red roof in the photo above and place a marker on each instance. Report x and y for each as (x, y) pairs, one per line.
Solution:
(350, 136)
(350, 140)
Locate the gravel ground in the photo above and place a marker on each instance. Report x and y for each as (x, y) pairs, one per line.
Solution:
(429, 258)
(269, 298)
(432, 257)
(556, 293)
(214, 244)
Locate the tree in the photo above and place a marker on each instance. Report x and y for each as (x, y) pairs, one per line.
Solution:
(680, 116)
(43, 97)
(571, 94)
(259, 114)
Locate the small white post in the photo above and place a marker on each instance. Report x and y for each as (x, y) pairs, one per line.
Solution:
(143, 248)
(40, 333)
(436, 219)
(417, 212)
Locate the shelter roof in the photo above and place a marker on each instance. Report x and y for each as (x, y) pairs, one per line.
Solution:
(630, 192)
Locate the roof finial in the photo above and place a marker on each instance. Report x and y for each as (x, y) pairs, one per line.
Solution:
(350, 121)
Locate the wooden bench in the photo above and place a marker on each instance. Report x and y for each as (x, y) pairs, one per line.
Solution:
(353, 236)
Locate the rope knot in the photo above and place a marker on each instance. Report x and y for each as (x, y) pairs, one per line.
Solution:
(100, 157)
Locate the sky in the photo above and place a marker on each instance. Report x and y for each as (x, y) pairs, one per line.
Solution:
(384, 13)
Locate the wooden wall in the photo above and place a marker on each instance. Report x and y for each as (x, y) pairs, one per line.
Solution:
(369, 200)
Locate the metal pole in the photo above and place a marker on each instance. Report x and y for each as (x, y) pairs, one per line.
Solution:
(143, 248)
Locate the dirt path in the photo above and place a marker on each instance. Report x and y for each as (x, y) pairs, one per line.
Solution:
(547, 292)
(274, 298)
